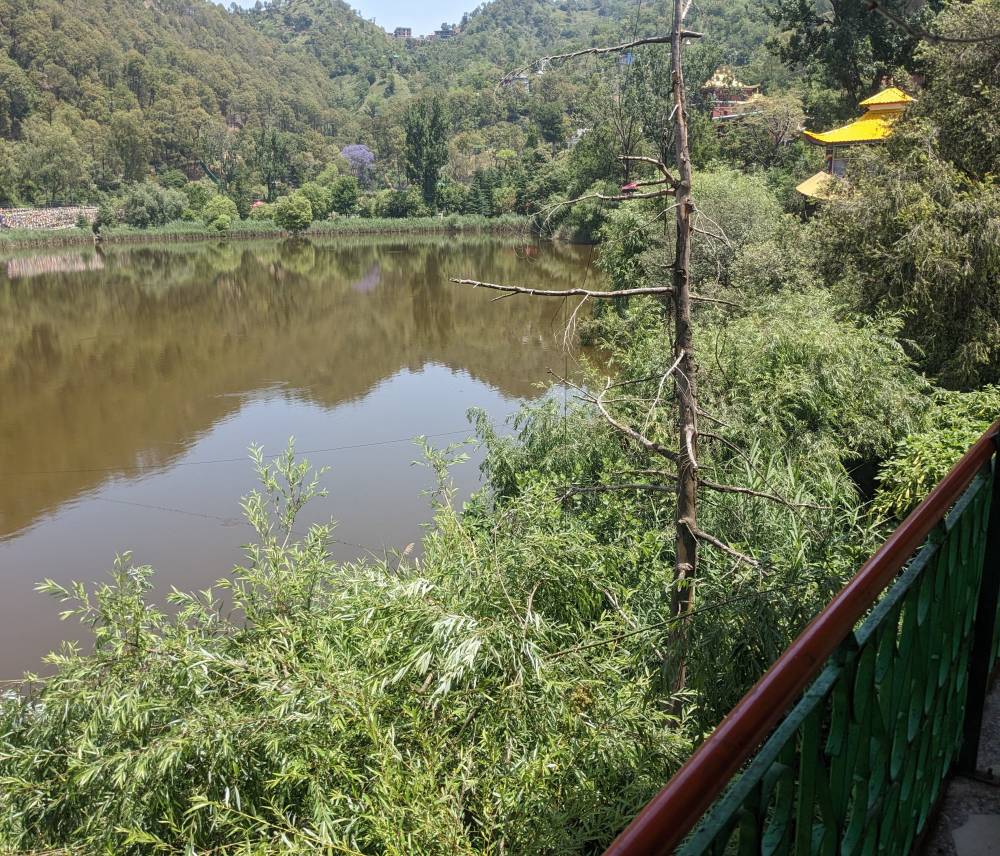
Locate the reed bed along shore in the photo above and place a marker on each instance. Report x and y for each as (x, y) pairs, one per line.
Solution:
(253, 229)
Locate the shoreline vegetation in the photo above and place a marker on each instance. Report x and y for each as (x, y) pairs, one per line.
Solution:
(180, 231)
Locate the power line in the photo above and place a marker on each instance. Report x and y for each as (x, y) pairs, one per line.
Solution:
(229, 521)
(144, 467)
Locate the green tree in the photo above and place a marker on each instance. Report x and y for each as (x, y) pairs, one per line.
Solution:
(220, 213)
(17, 97)
(293, 213)
(8, 175)
(130, 141)
(767, 135)
(915, 237)
(272, 154)
(320, 199)
(344, 193)
(52, 165)
(845, 43)
(550, 117)
(962, 94)
(426, 145)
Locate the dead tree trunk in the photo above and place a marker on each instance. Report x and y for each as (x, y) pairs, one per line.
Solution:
(687, 531)
(686, 561)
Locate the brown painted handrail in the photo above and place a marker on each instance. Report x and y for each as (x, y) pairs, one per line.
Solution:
(675, 810)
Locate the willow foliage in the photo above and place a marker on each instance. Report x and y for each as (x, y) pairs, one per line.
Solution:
(953, 422)
(449, 705)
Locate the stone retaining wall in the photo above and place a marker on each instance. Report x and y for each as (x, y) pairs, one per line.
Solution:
(45, 218)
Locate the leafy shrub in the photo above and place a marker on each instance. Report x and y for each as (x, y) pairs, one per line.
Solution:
(293, 212)
(219, 213)
(452, 197)
(582, 221)
(320, 199)
(792, 370)
(261, 212)
(402, 203)
(456, 705)
(147, 205)
(107, 213)
(198, 193)
(919, 239)
(173, 179)
(344, 195)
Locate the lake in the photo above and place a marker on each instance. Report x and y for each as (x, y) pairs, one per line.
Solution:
(133, 379)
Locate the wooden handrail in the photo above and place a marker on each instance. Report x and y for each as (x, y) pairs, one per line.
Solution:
(674, 811)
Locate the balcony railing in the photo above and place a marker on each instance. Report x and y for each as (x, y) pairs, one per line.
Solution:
(845, 744)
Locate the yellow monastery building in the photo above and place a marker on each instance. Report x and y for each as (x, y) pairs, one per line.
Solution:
(881, 112)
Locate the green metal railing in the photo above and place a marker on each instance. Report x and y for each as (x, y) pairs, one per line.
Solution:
(869, 712)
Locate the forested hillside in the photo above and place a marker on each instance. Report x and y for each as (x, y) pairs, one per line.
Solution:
(96, 97)
(103, 92)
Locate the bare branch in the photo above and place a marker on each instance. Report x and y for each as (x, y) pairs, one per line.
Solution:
(720, 545)
(773, 497)
(660, 165)
(659, 390)
(577, 489)
(878, 8)
(714, 419)
(708, 234)
(509, 78)
(721, 234)
(708, 483)
(628, 431)
(700, 298)
(662, 290)
(568, 292)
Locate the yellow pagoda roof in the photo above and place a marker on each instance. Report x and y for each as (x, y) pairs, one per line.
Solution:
(889, 95)
(819, 186)
(870, 128)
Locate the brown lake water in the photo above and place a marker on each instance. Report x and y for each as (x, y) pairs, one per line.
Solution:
(133, 379)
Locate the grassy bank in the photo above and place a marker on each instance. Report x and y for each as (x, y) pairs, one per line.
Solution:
(248, 229)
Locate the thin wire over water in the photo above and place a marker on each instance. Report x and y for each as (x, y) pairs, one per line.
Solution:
(144, 467)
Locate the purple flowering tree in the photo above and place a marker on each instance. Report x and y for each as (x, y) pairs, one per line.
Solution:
(361, 160)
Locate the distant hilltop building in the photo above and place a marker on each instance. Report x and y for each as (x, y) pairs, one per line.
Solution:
(403, 33)
(446, 31)
(522, 81)
(727, 94)
(881, 112)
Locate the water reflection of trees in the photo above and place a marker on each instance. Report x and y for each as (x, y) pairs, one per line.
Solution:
(102, 367)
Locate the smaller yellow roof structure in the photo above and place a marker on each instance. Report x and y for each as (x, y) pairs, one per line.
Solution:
(819, 186)
(890, 95)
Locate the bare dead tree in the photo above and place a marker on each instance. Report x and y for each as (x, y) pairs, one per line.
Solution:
(686, 538)
(682, 373)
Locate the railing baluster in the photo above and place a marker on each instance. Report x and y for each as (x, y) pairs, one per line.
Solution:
(983, 637)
